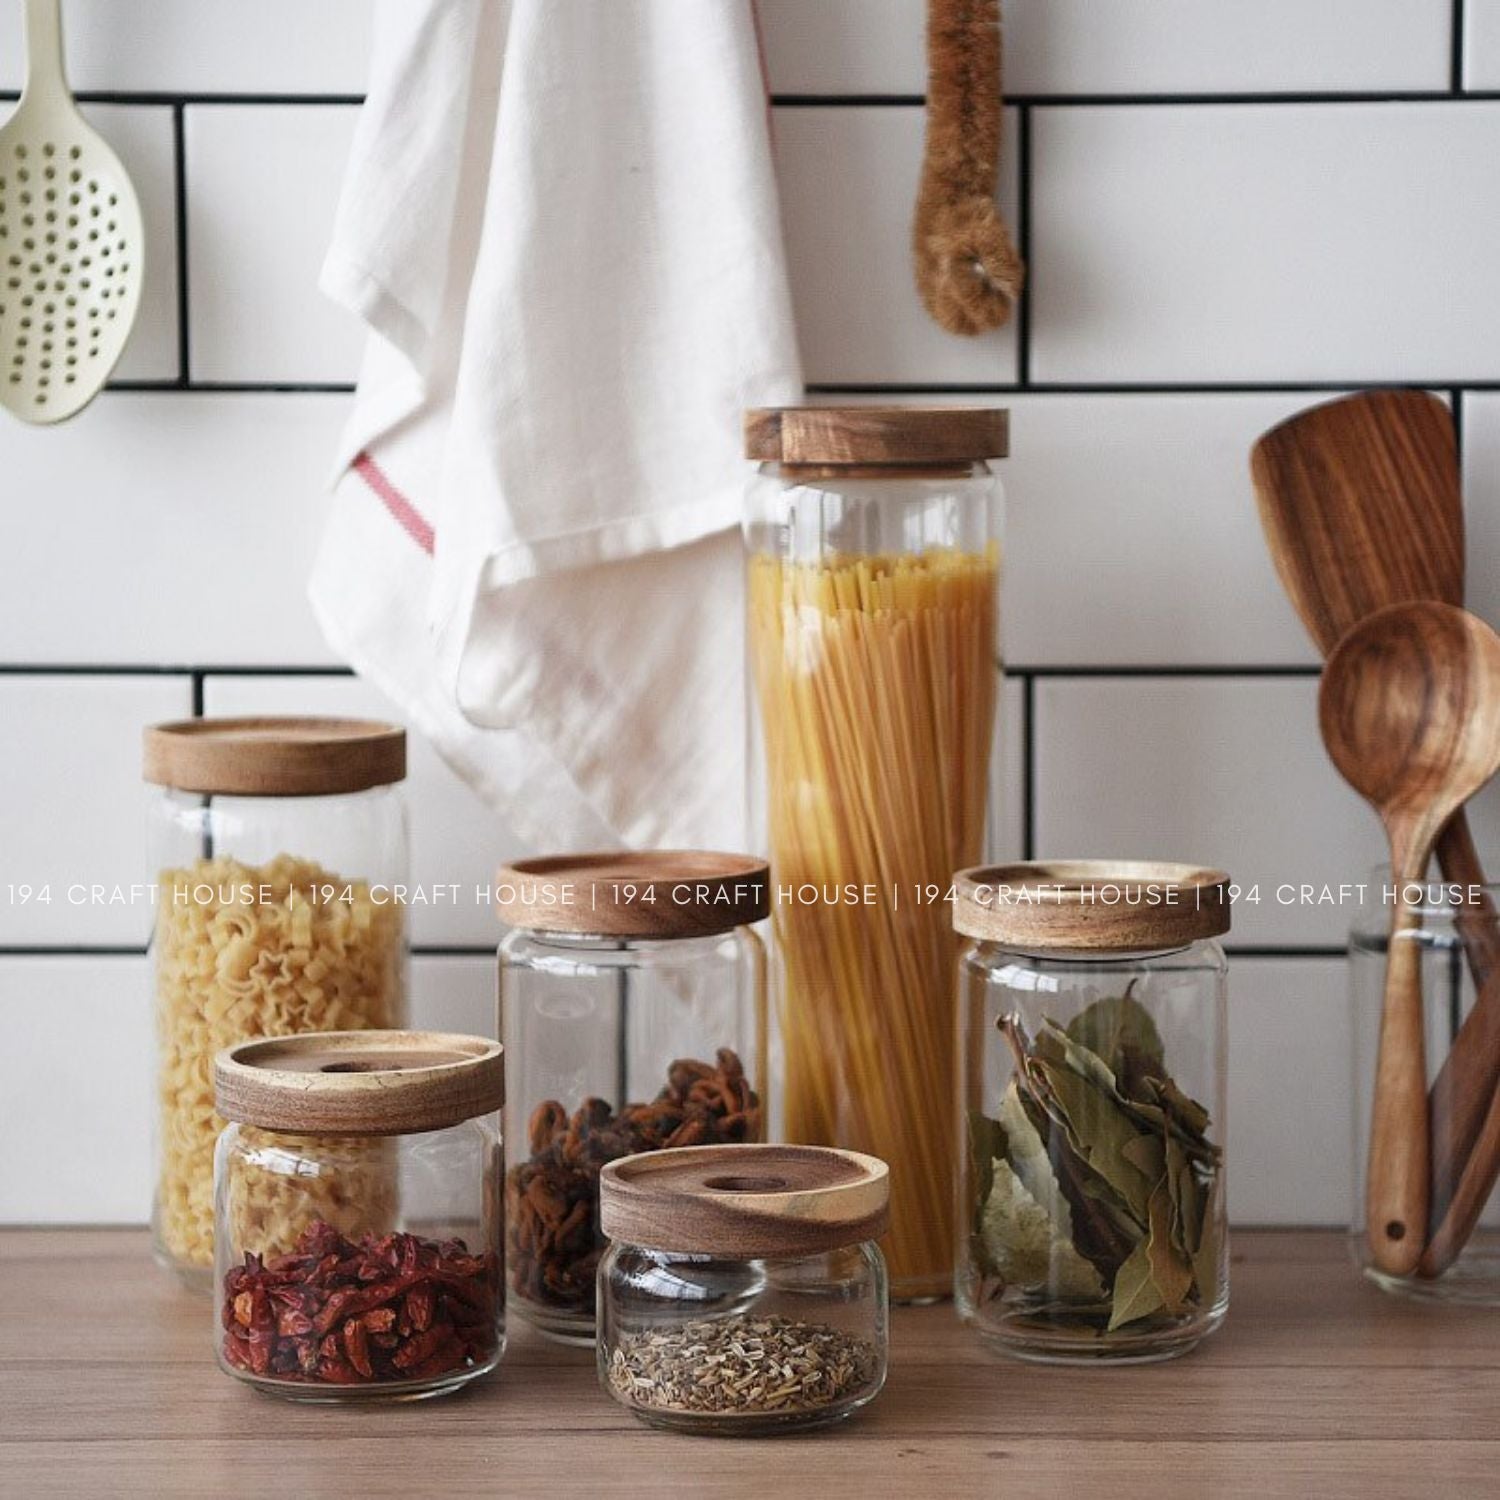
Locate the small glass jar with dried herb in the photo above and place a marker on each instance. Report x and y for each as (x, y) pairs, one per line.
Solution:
(358, 1214)
(743, 1292)
(1093, 1009)
(633, 1012)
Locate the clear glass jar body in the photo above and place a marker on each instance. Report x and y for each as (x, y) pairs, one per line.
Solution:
(274, 915)
(676, 1331)
(1091, 1190)
(348, 1268)
(874, 627)
(613, 1047)
(1448, 995)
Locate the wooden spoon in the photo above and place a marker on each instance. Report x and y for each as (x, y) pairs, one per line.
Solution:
(1361, 504)
(1409, 707)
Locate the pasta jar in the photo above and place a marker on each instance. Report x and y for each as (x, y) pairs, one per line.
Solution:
(279, 845)
(1456, 936)
(402, 1295)
(633, 1011)
(743, 1291)
(1092, 1014)
(874, 541)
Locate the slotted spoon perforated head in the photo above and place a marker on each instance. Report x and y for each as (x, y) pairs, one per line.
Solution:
(71, 245)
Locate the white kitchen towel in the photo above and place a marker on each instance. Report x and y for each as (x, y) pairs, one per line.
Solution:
(560, 222)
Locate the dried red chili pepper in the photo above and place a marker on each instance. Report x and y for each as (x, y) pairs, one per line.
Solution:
(391, 1308)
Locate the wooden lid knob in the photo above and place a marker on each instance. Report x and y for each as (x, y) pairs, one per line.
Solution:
(876, 435)
(660, 894)
(359, 1082)
(278, 757)
(745, 1201)
(1098, 905)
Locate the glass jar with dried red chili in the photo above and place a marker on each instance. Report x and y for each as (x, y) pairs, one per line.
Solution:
(358, 1217)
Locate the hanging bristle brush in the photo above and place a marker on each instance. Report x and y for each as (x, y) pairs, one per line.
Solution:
(969, 272)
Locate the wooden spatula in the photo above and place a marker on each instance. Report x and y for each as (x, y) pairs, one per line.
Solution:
(1362, 506)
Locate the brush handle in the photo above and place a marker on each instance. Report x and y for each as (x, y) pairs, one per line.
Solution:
(44, 49)
(1398, 1173)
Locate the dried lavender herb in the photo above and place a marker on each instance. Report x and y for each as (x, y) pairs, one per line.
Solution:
(731, 1366)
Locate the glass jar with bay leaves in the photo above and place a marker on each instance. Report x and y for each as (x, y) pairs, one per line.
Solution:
(1092, 1069)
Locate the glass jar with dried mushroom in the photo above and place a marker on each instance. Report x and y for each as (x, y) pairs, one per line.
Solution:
(1092, 1011)
(358, 1214)
(278, 845)
(632, 1007)
(743, 1292)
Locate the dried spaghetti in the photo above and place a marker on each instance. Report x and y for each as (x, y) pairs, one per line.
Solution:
(877, 680)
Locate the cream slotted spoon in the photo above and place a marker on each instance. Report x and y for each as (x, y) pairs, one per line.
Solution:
(71, 244)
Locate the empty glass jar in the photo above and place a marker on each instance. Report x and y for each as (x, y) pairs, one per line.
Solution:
(633, 1011)
(277, 847)
(358, 1214)
(874, 592)
(743, 1292)
(1092, 1012)
(1457, 934)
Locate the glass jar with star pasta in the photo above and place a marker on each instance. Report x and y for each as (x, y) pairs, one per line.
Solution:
(277, 847)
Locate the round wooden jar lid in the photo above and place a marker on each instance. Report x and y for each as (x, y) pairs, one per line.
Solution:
(676, 893)
(1094, 905)
(745, 1201)
(282, 757)
(876, 435)
(359, 1082)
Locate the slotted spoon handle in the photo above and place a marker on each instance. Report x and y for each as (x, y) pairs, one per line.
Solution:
(44, 54)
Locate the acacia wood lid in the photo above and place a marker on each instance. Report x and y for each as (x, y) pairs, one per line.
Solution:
(274, 757)
(1094, 905)
(359, 1082)
(677, 893)
(745, 1201)
(876, 435)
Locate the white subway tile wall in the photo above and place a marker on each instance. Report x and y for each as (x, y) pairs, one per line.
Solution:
(266, 176)
(1231, 208)
(1070, 47)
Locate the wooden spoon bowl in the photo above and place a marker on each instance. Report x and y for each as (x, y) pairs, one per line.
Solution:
(1410, 713)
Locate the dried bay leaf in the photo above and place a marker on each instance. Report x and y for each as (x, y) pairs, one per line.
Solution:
(1110, 1026)
(1170, 1268)
(1136, 1292)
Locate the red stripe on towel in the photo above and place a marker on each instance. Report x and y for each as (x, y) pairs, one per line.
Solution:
(405, 514)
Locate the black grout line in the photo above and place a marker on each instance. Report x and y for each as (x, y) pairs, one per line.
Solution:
(159, 669)
(231, 387)
(179, 166)
(1014, 671)
(1028, 295)
(1217, 670)
(1028, 768)
(198, 681)
(1456, 402)
(481, 950)
(71, 950)
(1456, 74)
(1270, 950)
(1334, 97)
(1137, 388)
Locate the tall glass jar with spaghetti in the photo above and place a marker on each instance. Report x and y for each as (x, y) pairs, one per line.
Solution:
(279, 851)
(874, 536)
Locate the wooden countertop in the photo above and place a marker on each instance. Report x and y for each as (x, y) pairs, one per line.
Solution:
(1318, 1385)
